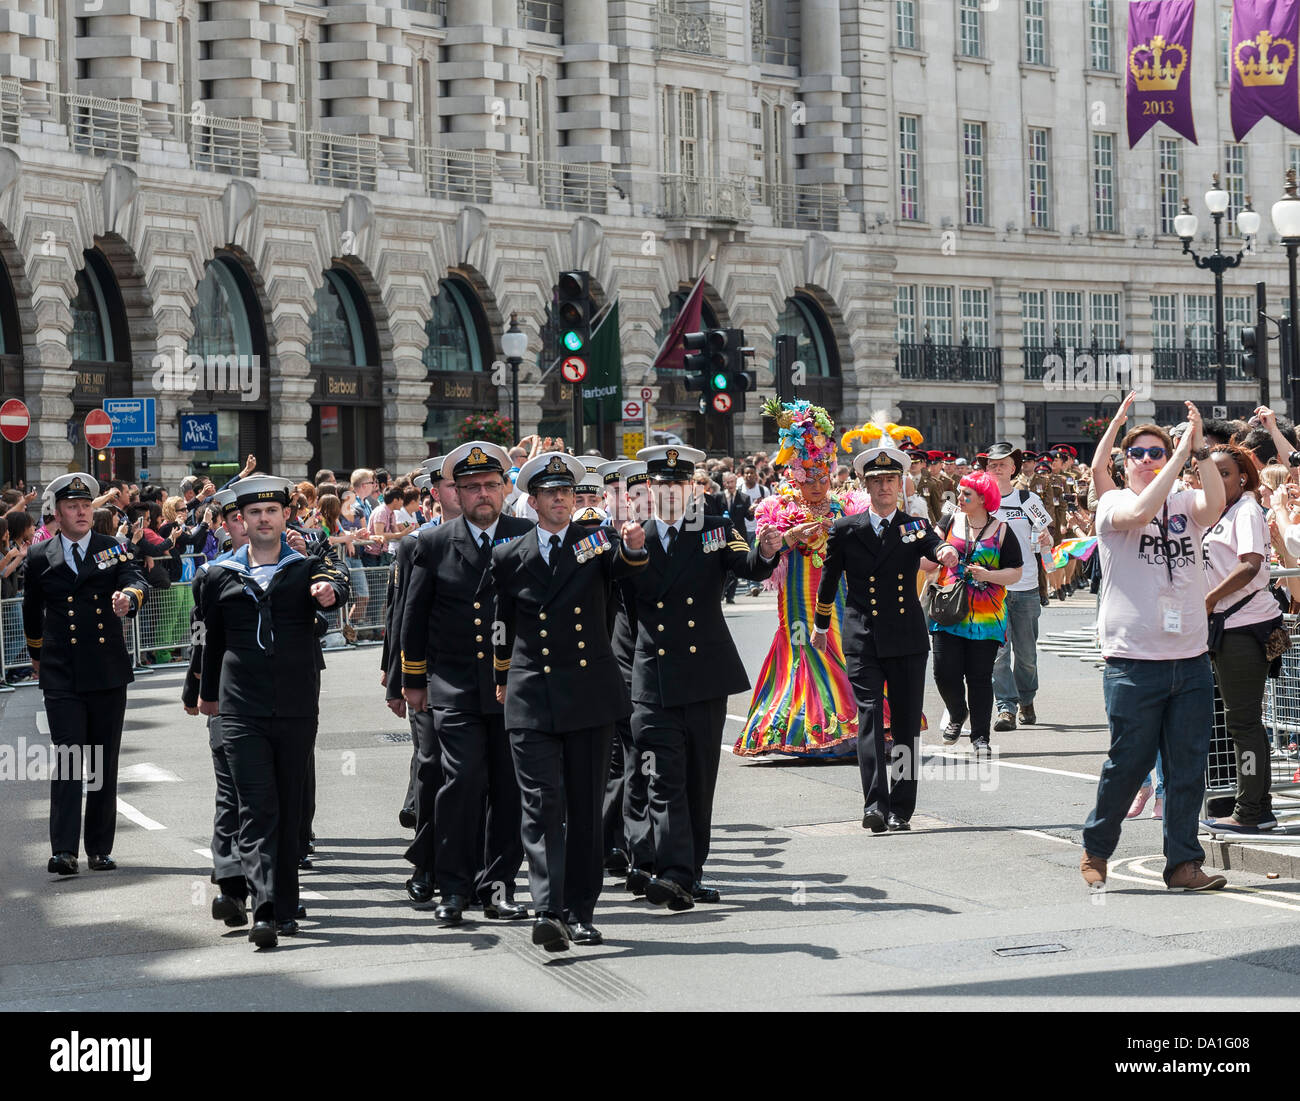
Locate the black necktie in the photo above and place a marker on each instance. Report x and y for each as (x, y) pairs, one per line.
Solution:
(554, 556)
(672, 538)
(76, 556)
(884, 528)
(485, 542)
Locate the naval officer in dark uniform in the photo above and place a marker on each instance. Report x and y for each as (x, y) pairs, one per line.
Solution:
(562, 688)
(447, 666)
(79, 584)
(231, 903)
(884, 634)
(261, 674)
(686, 666)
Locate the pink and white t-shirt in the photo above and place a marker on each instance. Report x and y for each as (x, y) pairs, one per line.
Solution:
(1152, 580)
(1243, 529)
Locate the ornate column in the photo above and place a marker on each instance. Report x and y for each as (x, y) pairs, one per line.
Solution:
(589, 122)
(822, 88)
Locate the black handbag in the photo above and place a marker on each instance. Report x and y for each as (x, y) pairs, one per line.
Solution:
(1218, 621)
(950, 606)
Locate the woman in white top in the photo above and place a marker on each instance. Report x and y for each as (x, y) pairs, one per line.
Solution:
(1236, 565)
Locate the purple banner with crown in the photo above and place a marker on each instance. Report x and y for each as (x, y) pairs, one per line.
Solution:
(1159, 87)
(1265, 34)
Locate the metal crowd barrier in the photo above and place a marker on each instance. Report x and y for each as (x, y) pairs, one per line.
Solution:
(160, 634)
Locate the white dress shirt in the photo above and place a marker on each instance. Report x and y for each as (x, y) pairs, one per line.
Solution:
(544, 541)
(877, 520)
(477, 532)
(83, 543)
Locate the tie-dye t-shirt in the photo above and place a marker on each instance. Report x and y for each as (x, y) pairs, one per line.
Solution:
(987, 617)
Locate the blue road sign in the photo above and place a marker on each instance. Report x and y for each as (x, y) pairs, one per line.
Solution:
(133, 422)
(199, 432)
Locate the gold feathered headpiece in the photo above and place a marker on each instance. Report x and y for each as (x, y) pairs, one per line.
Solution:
(870, 433)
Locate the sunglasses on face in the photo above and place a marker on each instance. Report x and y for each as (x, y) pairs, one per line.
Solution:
(1137, 454)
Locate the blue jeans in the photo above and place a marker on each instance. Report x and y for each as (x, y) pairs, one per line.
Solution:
(1164, 706)
(1021, 650)
(1160, 778)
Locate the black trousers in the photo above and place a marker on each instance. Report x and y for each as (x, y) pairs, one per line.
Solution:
(88, 729)
(408, 802)
(227, 870)
(423, 849)
(308, 800)
(963, 670)
(479, 850)
(269, 759)
(627, 820)
(561, 781)
(905, 677)
(680, 748)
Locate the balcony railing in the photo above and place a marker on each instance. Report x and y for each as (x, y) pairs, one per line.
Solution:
(691, 30)
(963, 362)
(457, 174)
(802, 206)
(703, 197)
(1035, 356)
(232, 146)
(11, 109)
(428, 7)
(780, 50)
(544, 16)
(339, 160)
(579, 187)
(1197, 365)
(103, 127)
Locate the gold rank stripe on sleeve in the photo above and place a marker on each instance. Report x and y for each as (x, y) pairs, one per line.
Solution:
(824, 609)
(137, 593)
(33, 643)
(413, 668)
(622, 553)
(501, 664)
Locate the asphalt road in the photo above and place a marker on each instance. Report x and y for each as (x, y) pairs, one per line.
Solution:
(980, 907)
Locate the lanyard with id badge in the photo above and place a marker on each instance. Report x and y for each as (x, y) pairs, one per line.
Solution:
(1167, 607)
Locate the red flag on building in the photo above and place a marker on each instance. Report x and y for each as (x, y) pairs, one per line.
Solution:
(671, 352)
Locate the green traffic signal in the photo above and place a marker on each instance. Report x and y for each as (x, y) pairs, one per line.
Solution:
(720, 381)
(573, 341)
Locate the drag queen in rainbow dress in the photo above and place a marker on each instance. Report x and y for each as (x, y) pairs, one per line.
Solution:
(803, 704)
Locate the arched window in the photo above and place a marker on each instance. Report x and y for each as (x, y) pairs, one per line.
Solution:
(338, 337)
(91, 337)
(452, 331)
(803, 319)
(100, 343)
(11, 341)
(221, 324)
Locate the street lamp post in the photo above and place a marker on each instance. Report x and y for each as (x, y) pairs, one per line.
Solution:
(1286, 221)
(1216, 201)
(514, 343)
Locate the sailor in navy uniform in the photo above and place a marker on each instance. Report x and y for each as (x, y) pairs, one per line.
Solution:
(447, 667)
(685, 667)
(590, 490)
(562, 688)
(79, 585)
(231, 903)
(884, 634)
(390, 661)
(262, 675)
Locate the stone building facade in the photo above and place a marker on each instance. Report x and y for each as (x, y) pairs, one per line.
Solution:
(314, 219)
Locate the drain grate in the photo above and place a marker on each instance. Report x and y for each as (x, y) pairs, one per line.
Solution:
(1030, 950)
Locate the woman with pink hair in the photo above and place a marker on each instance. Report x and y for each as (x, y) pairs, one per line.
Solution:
(964, 651)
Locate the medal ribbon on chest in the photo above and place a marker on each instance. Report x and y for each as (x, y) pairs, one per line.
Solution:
(590, 547)
(714, 539)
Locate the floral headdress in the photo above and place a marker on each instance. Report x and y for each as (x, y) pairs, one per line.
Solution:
(806, 434)
(886, 434)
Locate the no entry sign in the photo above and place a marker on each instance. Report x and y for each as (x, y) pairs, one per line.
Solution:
(15, 420)
(574, 369)
(99, 429)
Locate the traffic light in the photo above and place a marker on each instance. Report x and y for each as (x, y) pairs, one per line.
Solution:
(706, 360)
(1255, 342)
(573, 312)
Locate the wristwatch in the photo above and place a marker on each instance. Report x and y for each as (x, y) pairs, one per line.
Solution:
(1294, 458)
(1201, 453)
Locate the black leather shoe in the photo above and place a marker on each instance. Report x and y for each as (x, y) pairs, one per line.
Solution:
(304, 863)
(420, 889)
(288, 928)
(664, 892)
(451, 909)
(63, 864)
(230, 909)
(616, 863)
(102, 863)
(311, 844)
(505, 910)
(407, 819)
(874, 821)
(583, 932)
(263, 934)
(637, 880)
(897, 824)
(701, 893)
(301, 912)
(551, 933)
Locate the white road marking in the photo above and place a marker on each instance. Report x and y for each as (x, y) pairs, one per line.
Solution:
(147, 773)
(205, 853)
(42, 723)
(131, 814)
(1237, 892)
(311, 895)
(1047, 836)
(1023, 768)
